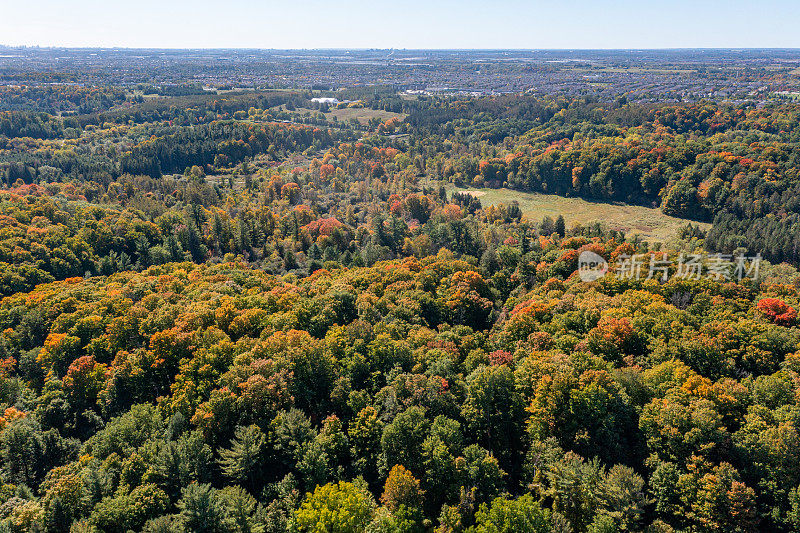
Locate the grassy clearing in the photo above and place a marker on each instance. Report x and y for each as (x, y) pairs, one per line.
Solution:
(650, 223)
(361, 114)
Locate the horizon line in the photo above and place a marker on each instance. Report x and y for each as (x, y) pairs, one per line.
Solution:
(236, 48)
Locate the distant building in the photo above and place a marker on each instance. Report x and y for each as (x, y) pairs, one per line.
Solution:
(329, 101)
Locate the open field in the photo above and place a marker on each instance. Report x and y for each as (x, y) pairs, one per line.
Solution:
(362, 114)
(650, 223)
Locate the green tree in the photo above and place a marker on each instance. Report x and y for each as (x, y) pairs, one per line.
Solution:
(589, 414)
(240, 508)
(243, 461)
(402, 440)
(202, 510)
(341, 507)
(494, 413)
(560, 226)
(21, 448)
(510, 516)
(127, 511)
(365, 437)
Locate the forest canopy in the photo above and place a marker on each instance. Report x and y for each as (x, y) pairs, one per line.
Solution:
(258, 312)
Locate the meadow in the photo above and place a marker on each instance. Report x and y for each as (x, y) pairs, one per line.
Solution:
(647, 222)
(362, 114)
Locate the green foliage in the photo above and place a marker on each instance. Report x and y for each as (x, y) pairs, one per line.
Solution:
(336, 508)
(244, 460)
(402, 440)
(202, 509)
(127, 432)
(131, 510)
(508, 516)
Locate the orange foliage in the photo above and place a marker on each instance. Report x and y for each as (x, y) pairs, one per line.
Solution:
(778, 311)
(9, 415)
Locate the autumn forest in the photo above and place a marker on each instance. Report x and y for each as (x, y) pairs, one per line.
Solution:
(290, 310)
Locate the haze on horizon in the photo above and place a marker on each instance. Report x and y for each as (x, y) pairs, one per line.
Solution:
(416, 24)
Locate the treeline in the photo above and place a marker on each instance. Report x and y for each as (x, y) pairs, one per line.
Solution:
(194, 109)
(232, 141)
(495, 118)
(36, 125)
(152, 149)
(43, 122)
(58, 98)
(777, 238)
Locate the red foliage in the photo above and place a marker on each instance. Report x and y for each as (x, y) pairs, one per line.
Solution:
(6, 367)
(322, 226)
(396, 208)
(778, 311)
(500, 357)
(326, 170)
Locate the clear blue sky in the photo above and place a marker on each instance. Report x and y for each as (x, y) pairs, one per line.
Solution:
(401, 24)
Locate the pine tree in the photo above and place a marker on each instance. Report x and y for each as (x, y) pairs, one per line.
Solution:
(560, 226)
(243, 460)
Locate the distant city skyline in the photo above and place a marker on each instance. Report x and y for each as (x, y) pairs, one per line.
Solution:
(413, 24)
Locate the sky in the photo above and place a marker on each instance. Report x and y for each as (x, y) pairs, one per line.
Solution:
(532, 24)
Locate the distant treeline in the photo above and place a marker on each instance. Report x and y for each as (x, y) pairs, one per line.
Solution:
(200, 145)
